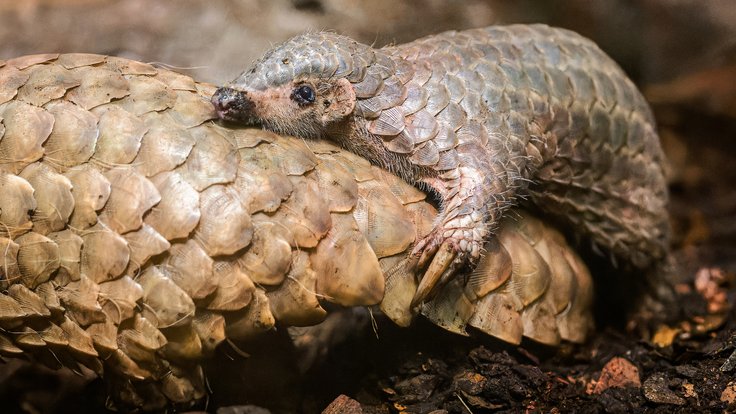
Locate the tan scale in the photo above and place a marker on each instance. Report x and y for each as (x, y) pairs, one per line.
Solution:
(54, 201)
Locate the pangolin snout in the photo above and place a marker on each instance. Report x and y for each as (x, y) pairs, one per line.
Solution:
(232, 104)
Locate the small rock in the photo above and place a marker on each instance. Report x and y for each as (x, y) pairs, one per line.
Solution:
(689, 390)
(469, 382)
(656, 390)
(617, 373)
(343, 405)
(730, 363)
(729, 393)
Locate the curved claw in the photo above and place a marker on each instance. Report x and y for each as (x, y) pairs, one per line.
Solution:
(428, 253)
(440, 270)
(423, 252)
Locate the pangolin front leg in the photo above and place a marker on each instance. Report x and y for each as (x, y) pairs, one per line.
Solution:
(484, 117)
(473, 197)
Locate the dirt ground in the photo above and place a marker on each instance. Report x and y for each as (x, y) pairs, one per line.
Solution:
(683, 55)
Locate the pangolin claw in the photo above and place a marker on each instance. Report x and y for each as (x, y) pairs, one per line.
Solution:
(424, 251)
(443, 266)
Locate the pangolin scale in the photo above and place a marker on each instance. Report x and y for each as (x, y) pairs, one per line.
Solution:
(137, 234)
(488, 119)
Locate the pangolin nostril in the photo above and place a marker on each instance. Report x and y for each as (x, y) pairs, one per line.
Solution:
(223, 98)
(231, 103)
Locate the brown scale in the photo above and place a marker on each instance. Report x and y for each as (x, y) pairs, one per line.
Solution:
(116, 257)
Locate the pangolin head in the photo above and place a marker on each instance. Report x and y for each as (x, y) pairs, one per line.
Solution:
(299, 87)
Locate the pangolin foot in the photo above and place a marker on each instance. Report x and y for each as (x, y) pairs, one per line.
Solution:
(446, 256)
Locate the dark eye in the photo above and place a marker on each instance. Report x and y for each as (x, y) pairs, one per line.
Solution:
(303, 95)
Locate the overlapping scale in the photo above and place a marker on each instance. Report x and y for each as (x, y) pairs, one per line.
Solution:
(296, 303)
(269, 259)
(146, 95)
(402, 143)
(177, 213)
(46, 83)
(167, 304)
(26, 128)
(390, 122)
(74, 137)
(9, 272)
(131, 196)
(16, 205)
(120, 136)
(70, 255)
(91, 191)
(381, 218)
(10, 80)
(54, 201)
(143, 244)
(104, 253)
(425, 154)
(212, 160)
(368, 86)
(347, 269)
(225, 225)
(165, 146)
(234, 287)
(189, 266)
(97, 86)
(38, 258)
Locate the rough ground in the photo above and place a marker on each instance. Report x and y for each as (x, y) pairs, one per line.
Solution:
(687, 366)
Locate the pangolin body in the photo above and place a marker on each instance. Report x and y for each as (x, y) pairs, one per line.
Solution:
(136, 234)
(488, 119)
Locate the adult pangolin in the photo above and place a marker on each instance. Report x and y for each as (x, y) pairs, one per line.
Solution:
(486, 119)
(137, 236)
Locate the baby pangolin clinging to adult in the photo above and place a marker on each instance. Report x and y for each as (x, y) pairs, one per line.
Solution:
(487, 119)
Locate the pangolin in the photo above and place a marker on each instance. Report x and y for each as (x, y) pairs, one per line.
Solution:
(137, 234)
(487, 119)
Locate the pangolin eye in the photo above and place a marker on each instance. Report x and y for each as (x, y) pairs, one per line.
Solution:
(303, 95)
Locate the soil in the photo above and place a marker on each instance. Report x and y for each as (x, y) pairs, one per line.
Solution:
(685, 365)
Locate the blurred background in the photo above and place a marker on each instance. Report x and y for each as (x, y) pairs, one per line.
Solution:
(682, 53)
(655, 40)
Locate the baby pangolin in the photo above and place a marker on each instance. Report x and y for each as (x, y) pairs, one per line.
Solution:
(486, 119)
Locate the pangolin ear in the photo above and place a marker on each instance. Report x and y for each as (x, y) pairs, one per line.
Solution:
(342, 103)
